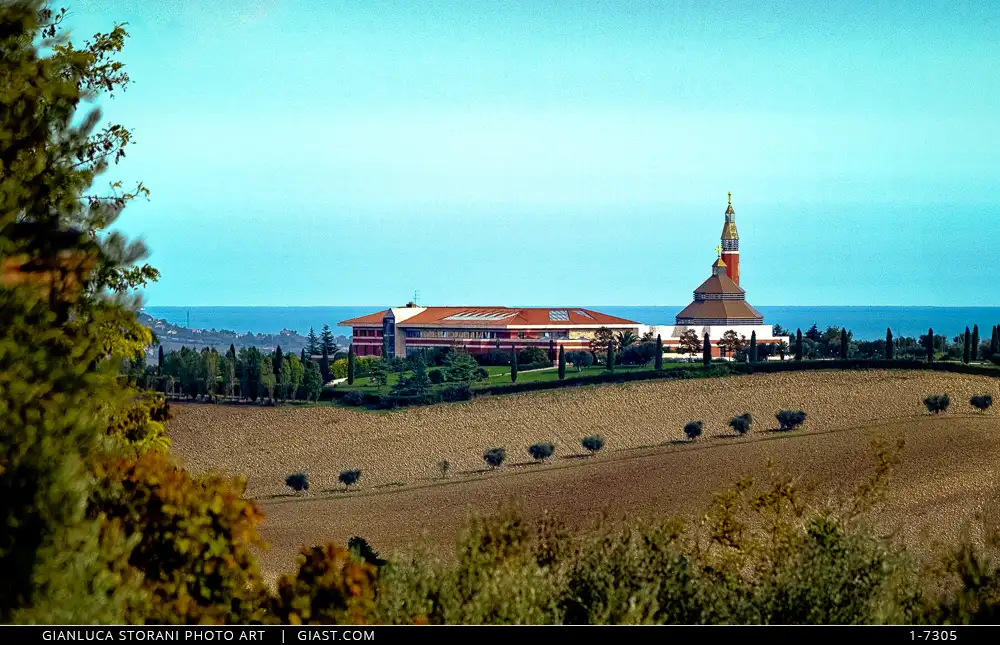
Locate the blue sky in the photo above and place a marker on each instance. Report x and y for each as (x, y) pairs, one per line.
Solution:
(347, 153)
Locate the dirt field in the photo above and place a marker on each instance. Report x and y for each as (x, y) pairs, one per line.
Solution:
(948, 466)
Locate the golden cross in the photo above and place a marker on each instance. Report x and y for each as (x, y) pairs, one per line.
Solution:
(719, 250)
(730, 198)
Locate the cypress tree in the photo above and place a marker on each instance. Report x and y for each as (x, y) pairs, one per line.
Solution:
(930, 345)
(513, 364)
(276, 361)
(659, 352)
(995, 342)
(706, 352)
(562, 362)
(350, 364)
(798, 345)
(966, 351)
(385, 348)
(232, 353)
(890, 349)
(753, 347)
(611, 357)
(975, 342)
(324, 365)
(302, 356)
(159, 362)
(844, 347)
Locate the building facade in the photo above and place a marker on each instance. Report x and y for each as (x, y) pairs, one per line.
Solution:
(406, 330)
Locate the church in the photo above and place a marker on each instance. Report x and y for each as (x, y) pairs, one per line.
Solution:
(720, 303)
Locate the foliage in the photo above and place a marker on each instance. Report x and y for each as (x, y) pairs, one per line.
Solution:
(331, 587)
(693, 429)
(354, 398)
(497, 357)
(706, 352)
(937, 403)
(640, 354)
(731, 342)
(195, 540)
(690, 344)
(436, 376)
(580, 359)
(533, 355)
(513, 365)
(456, 392)
(603, 340)
(494, 457)
(378, 372)
(798, 345)
(889, 345)
(609, 359)
(541, 451)
(659, 353)
(741, 424)
(460, 367)
(349, 477)
(562, 362)
(981, 402)
(593, 444)
(444, 466)
(967, 346)
(360, 547)
(790, 419)
(351, 365)
(625, 339)
(312, 382)
(975, 343)
(298, 482)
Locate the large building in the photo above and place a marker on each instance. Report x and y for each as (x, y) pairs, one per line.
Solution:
(404, 330)
(720, 304)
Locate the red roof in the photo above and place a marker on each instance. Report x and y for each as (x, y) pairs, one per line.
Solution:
(498, 317)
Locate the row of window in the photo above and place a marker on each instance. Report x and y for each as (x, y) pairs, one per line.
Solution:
(370, 333)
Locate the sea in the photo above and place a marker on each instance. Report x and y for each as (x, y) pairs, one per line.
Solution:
(866, 323)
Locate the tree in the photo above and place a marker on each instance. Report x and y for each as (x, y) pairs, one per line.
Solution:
(210, 376)
(929, 345)
(250, 376)
(966, 346)
(326, 341)
(625, 339)
(312, 343)
(814, 334)
(292, 375)
(647, 336)
(890, 348)
(593, 444)
(541, 451)
(604, 339)
(580, 359)
(753, 347)
(610, 358)
(731, 342)
(312, 381)
(324, 365)
(562, 362)
(228, 370)
(513, 364)
(844, 346)
(379, 373)
(798, 344)
(783, 349)
(267, 379)
(159, 361)
(693, 430)
(706, 355)
(690, 344)
(995, 342)
(302, 356)
(460, 367)
(350, 364)
(277, 361)
(975, 342)
(659, 353)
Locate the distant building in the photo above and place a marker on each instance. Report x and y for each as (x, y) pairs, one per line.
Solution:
(720, 302)
(479, 329)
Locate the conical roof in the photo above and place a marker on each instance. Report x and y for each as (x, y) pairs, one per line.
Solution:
(719, 301)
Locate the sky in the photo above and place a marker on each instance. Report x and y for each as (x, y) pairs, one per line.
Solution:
(557, 153)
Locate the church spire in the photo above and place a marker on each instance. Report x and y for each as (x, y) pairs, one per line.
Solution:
(731, 243)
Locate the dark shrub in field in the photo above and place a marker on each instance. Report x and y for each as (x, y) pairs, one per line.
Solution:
(436, 376)
(981, 402)
(361, 547)
(350, 477)
(937, 403)
(790, 419)
(494, 457)
(693, 429)
(741, 424)
(297, 482)
(481, 374)
(444, 466)
(457, 392)
(541, 451)
(593, 443)
(354, 398)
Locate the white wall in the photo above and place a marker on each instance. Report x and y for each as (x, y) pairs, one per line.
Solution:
(715, 332)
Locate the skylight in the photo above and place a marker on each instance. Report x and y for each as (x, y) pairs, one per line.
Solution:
(480, 315)
(580, 312)
(558, 314)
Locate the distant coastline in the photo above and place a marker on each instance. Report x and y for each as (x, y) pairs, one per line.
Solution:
(866, 322)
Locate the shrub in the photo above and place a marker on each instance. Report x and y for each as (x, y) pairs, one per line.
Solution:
(981, 402)
(349, 477)
(494, 457)
(338, 368)
(297, 482)
(330, 587)
(790, 419)
(533, 355)
(481, 374)
(360, 546)
(541, 451)
(741, 424)
(693, 429)
(495, 357)
(444, 466)
(354, 398)
(936, 403)
(593, 444)
(457, 392)
(579, 359)
(995, 359)
(436, 376)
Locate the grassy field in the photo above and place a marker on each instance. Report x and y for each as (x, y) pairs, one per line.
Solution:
(948, 463)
